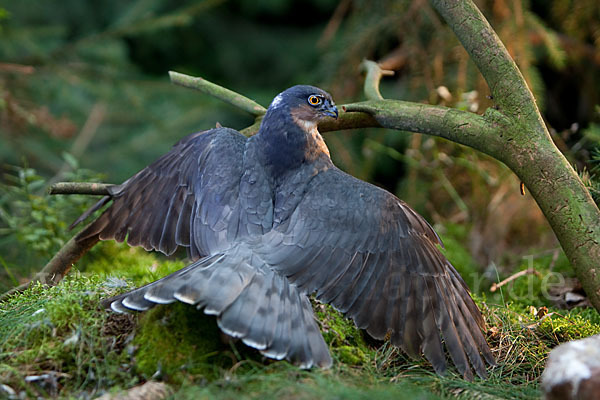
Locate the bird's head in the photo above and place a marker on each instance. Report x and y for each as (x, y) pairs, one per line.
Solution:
(288, 135)
(307, 105)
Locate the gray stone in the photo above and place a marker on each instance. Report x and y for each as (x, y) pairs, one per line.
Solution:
(573, 371)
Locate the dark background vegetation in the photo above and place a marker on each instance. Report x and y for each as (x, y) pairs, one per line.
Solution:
(84, 91)
(84, 95)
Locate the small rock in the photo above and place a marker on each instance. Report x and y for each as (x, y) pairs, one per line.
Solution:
(573, 371)
(7, 391)
(147, 391)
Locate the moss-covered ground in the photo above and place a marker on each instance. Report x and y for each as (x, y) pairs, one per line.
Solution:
(58, 342)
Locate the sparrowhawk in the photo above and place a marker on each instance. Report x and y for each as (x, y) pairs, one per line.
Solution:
(269, 220)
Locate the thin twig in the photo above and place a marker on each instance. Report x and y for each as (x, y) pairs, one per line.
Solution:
(91, 188)
(221, 93)
(89, 130)
(554, 258)
(496, 286)
(394, 60)
(374, 75)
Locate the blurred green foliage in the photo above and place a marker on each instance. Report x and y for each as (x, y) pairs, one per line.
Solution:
(33, 224)
(65, 57)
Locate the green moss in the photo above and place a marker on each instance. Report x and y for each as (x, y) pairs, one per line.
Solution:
(344, 339)
(133, 263)
(351, 355)
(178, 341)
(565, 326)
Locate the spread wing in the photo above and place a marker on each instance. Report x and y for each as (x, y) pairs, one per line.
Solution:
(372, 257)
(184, 198)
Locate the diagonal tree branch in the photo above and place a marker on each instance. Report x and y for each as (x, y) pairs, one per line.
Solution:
(458, 126)
(221, 93)
(528, 147)
(58, 267)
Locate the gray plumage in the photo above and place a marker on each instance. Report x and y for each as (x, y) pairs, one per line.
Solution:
(269, 220)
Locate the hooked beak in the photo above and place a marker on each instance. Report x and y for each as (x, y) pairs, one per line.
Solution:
(331, 111)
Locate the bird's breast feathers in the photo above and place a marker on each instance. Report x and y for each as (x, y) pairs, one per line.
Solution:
(315, 143)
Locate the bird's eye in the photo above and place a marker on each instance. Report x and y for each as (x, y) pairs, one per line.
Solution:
(314, 100)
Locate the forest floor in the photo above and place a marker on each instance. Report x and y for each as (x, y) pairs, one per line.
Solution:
(59, 343)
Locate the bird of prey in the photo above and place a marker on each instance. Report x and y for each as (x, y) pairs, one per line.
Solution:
(269, 220)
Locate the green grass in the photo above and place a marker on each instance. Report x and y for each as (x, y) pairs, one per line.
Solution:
(61, 335)
(76, 349)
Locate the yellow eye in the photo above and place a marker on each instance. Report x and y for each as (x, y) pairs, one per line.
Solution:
(314, 100)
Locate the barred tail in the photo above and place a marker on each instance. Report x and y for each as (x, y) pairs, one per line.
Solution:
(250, 300)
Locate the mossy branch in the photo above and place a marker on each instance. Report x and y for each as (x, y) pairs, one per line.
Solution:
(221, 93)
(527, 146)
(459, 126)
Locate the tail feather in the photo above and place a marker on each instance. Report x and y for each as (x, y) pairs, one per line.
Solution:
(250, 300)
(143, 293)
(278, 349)
(262, 328)
(466, 305)
(238, 318)
(165, 292)
(298, 349)
(205, 289)
(450, 333)
(118, 307)
(137, 302)
(267, 312)
(432, 325)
